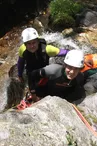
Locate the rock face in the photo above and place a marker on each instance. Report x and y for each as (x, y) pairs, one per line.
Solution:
(87, 18)
(51, 121)
(88, 107)
(15, 89)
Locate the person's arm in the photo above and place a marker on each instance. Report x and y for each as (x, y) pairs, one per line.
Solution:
(21, 62)
(33, 79)
(51, 71)
(20, 65)
(63, 52)
(54, 51)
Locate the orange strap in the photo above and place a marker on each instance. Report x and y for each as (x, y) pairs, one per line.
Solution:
(84, 120)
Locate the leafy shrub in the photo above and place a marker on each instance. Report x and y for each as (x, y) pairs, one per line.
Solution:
(63, 19)
(63, 12)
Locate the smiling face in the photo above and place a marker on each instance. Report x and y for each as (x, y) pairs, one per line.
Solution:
(71, 72)
(32, 46)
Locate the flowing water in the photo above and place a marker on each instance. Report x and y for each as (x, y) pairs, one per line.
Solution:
(56, 39)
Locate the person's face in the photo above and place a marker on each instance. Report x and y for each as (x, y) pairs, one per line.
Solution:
(71, 72)
(32, 46)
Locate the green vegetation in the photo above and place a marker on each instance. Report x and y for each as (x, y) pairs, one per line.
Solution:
(93, 143)
(70, 139)
(63, 12)
(93, 117)
(84, 115)
(88, 117)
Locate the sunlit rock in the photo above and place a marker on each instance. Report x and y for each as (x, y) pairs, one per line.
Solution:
(51, 121)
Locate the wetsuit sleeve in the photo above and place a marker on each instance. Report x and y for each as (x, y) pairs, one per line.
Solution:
(20, 65)
(51, 50)
(51, 71)
(33, 79)
(54, 51)
(21, 61)
(22, 48)
(63, 52)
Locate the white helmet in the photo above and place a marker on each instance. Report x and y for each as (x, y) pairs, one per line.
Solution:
(29, 34)
(75, 58)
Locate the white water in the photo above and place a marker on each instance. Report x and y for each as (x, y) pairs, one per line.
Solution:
(58, 40)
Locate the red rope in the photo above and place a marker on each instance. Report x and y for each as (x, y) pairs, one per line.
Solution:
(84, 120)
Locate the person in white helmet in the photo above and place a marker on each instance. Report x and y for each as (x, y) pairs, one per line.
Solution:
(34, 53)
(65, 81)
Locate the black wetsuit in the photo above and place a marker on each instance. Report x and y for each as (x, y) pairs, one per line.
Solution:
(57, 84)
